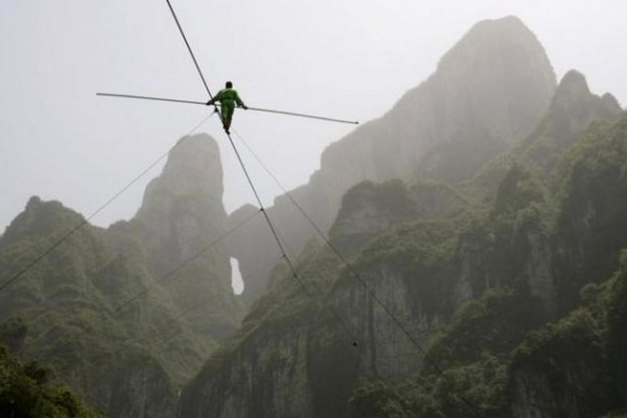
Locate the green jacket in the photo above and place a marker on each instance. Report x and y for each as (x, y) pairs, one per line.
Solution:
(227, 96)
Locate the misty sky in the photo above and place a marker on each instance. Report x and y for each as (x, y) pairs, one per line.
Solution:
(348, 59)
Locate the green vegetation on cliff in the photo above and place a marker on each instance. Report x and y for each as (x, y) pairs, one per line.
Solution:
(494, 357)
(64, 311)
(488, 355)
(31, 391)
(510, 299)
(125, 315)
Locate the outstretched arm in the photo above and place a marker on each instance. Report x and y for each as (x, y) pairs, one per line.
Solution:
(239, 101)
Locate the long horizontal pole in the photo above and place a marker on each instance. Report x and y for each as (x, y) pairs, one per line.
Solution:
(257, 109)
(160, 99)
(302, 115)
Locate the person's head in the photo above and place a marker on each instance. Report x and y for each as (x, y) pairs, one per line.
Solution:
(229, 85)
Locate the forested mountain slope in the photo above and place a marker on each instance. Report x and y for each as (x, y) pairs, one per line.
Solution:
(126, 314)
(508, 307)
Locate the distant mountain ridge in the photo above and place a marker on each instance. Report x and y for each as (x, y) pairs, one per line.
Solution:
(573, 108)
(490, 90)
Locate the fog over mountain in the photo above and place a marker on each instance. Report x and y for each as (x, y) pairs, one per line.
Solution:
(461, 253)
(477, 103)
(349, 59)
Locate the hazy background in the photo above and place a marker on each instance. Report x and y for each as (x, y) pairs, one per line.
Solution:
(343, 58)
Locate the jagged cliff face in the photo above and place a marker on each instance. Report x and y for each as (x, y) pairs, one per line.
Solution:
(300, 355)
(549, 224)
(489, 91)
(184, 204)
(129, 313)
(495, 85)
(182, 217)
(591, 226)
(304, 355)
(367, 211)
(573, 108)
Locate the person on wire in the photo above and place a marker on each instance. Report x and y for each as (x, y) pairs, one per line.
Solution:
(228, 98)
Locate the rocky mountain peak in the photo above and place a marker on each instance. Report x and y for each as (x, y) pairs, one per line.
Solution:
(489, 91)
(180, 223)
(193, 173)
(193, 167)
(573, 91)
(574, 107)
(573, 88)
(493, 74)
(493, 37)
(610, 102)
(182, 208)
(369, 209)
(40, 218)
